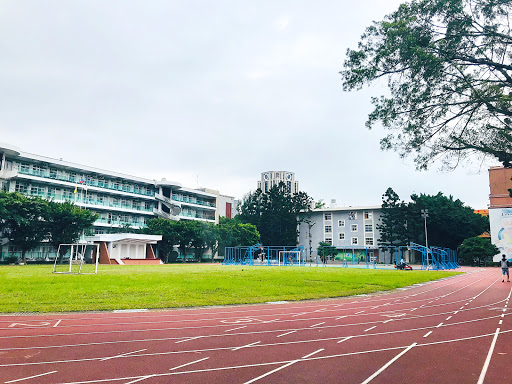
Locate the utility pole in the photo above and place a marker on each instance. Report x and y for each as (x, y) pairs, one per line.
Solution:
(424, 214)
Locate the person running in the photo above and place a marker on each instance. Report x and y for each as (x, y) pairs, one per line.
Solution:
(504, 268)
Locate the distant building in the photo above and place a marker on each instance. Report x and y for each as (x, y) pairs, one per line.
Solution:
(500, 209)
(272, 178)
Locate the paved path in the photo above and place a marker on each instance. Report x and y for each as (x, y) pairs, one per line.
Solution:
(456, 330)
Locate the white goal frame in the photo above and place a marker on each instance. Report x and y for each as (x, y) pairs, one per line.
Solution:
(77, 257)
(285, 253)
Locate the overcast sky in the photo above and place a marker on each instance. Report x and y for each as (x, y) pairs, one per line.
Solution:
(207, 93)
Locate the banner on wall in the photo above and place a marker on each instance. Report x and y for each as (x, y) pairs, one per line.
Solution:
(501, 230)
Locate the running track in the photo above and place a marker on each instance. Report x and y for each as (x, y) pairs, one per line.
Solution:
(456, 330)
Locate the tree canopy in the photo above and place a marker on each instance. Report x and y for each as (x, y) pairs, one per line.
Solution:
(477, 249)
(275, 213)
(449, 73)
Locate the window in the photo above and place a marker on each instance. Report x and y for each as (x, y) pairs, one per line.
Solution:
(368, 228)
(353, 228)
(53, 173)
(147, 206)
(21, 187)
(368, 215)
(341, 223)
(24, 168)
(328, 229)
(328, 240)
(368, 241)
(341, 236)
(352, 215)
(68, 195)
(36, 190)
(327, 217)
(354, 241)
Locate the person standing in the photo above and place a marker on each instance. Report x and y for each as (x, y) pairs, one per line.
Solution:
(504, 268)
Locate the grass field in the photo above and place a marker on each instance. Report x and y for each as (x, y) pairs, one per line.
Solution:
(35, 289)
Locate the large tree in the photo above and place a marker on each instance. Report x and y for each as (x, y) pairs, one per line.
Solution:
(23, 220)
(475, 250)
(393, 222)
(449, 72)
(170, 237)
(275, 213)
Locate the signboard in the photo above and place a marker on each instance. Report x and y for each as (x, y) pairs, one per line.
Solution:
(501, 230)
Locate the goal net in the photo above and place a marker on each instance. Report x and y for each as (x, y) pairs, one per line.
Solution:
(290, 257)
(77, 259)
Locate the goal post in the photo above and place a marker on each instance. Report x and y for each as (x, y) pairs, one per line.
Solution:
(290, 257)
(77, 259)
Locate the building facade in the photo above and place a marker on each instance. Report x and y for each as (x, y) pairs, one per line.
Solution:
(120, 200)
(500, 210)
(272, 178)
(352, 230)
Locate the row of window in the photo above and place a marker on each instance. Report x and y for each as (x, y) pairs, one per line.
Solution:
(368, 241)
(352, 215)
(73, 177)
(353, 228)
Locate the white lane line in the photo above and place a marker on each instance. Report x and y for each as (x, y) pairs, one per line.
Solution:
(501, 322)
(57, 323)
(314, 325)
(412, 310)
(448, 318)
(287, 333)
(438, 325)
(299, 314)
(461, 308)
(192, 362)
(140, 379)
(340, 317)
(30, 377)
(387, 321)
(320, 310)
(428, 333)
(357, 313)
(366, 330)
(234, 329)
(455, 312)
(123, 354)
(245, 346)
(282, 367)
(388, 364)
(188, 339)
(345, 339)
(488, 359)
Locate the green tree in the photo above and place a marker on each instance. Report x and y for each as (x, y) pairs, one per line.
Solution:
(393, 222)
(233, 233)
(475, 250)
(23, 220)
(65, 222)
(324, 250)
(449, 73)
(450, 221)
(170, 237)
(275, 213)
(186, 235)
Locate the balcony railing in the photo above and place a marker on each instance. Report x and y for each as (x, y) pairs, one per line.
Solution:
(192, 200)
(93, 183)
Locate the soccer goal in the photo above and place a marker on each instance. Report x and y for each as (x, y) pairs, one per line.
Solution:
(290, 257)
(77, 259)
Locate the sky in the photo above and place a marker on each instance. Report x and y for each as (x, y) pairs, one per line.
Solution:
(208, 94)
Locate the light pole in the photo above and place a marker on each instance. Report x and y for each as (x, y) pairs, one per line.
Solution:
(424, 214)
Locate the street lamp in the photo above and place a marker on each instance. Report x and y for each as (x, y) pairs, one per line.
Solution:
(424, 214)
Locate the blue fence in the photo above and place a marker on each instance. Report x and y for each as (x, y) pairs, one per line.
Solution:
(264, 255)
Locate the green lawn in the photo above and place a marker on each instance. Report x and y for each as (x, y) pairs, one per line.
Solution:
(35, 289)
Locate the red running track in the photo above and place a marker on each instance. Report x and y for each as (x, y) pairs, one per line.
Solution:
(456, 330)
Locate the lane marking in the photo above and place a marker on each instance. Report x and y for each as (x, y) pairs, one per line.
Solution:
(287, 333)
(299, 314)
(188, 339)
(357, 313)
(57, 323)
(234, 329)
(192, 362)
(388, 364)
(428, 333)
(366, 330)
(488, 359)
(282, 367)
(448, 318)
(244, 346)
(345, 339)
(387, 321)
(41, 324)
(130, 310)
(340, 317)
(122, 354)
(140, 379)
(501, 322)
(314, 325)
(455, 312)
(438, 325)
(30, 377)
